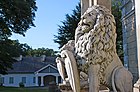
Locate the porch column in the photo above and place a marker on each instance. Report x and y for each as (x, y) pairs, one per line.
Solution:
(56, 79)
(42, 81)
(36, 80)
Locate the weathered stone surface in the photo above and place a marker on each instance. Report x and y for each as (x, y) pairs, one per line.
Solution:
(93, 58)
(106, 3)
(67, 88)
(85, 4)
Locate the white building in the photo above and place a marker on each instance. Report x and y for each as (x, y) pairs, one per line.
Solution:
(32, 71)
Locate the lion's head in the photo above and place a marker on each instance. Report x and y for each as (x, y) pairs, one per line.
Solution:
(95, 37)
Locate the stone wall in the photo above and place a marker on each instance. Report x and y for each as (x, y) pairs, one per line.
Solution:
(129, 38)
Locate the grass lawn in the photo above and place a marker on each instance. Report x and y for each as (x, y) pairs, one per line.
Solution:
(13, 89)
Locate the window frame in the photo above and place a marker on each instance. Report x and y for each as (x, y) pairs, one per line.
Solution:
(23, 79)
(2, 80)
(11, 80)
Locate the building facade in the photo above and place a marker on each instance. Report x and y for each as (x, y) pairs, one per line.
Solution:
(130, 37)
(32, 71)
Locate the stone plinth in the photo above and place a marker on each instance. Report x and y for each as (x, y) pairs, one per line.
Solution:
(67, 88)
(137, 86)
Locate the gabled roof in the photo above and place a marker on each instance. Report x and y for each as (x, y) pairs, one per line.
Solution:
(31, 64)
(43, 68)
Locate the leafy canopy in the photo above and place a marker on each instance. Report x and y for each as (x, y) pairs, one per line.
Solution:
(8, 50)
(41, 51)
(117, 15)
(16, 16)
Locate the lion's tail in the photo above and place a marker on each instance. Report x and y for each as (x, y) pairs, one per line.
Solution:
(113, 78)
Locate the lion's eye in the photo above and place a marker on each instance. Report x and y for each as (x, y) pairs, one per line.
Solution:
(84, 17)
(89, 14)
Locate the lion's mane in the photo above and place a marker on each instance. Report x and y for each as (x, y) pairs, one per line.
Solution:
(95, 37)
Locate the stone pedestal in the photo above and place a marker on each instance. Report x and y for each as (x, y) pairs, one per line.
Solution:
(67, 88)
(137, 86)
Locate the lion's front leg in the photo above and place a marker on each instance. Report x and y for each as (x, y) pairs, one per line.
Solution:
(93, 78)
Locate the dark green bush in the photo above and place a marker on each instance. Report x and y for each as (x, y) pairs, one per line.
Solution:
(21, 84)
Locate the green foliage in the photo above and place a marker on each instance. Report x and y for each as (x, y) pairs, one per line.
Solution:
(5, 62)
(21, 84)
(41, 51)
(66, 31)
(16, 16)
(12, 48)
(8, 50)
(117, 14)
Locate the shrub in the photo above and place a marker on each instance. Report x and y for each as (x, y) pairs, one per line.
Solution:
(21, 84)
(1, 84)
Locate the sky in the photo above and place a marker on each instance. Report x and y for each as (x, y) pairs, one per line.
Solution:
(49, 15)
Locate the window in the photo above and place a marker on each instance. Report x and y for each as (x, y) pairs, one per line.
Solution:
(1, 80)
(11, 80)
(59, 79)
(23, 79)
(33, 79)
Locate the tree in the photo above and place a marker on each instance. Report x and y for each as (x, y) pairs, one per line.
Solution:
(117, 15)
(19, 49)
(8, 50)
(67, 30)
(16, 16)
(41, 51)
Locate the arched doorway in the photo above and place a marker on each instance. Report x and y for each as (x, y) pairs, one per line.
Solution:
(49, 79)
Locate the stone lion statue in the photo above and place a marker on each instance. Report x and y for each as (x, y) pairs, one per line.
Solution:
(95, 52)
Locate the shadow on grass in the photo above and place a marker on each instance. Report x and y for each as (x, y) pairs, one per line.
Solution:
(16, 89)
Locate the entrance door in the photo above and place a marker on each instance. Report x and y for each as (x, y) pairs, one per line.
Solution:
(49, 79)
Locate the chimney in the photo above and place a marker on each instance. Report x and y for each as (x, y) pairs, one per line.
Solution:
(18, 58)
(43, 58)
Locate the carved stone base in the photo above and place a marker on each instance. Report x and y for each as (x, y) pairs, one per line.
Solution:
(67, 88)
(137, 86)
